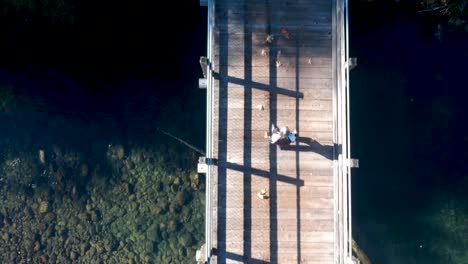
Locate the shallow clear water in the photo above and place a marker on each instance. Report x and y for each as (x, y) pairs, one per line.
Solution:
(87, 178)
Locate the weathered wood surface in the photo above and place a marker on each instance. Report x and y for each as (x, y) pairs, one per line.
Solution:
(288, 82)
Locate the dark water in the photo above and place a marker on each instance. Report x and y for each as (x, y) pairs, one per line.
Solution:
(409, 132)
(85, 177)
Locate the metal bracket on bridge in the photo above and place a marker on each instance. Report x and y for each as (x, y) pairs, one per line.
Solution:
(353, 163)
(204, 162)
(202, 82)
(202, 167)
(200, 255)
(352, 63)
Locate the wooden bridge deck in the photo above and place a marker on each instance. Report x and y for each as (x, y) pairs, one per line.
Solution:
(292, 78)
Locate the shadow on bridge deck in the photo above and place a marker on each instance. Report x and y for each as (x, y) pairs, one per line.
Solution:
(302, 144)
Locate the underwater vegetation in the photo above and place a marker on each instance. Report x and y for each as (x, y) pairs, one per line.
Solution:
(91, 190)
(56, 11)
(7, 98)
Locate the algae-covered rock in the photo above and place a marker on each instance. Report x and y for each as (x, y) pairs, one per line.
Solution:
(84, 248)
(49, 217)
(163, 205)
(156, 209)
(88, 207)
(27, 243)
(171, 226)
(37, 246)
(120, 151)
(21, 171)
(189, 227)
(164, 234)
(182, 251)
(186, 239)
(173, 207)
(73, 255)
(44, 207)
(116, 211)
(149, 247)
(99, 248)
(195, 181)
(152, 233)
(110, 245)
(135, 156)
(176, 181)
(132, 206)
(174, 188)
(91, 251)
(180, 198)
(96, 215)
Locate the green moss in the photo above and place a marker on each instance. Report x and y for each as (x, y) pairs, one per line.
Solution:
(153, 233)
(172, 226)
(186, 239)
(180, 198)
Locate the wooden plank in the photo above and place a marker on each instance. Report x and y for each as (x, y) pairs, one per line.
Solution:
(237, 8)
(284, 103)
(290, 225)
(307, 51)
(307, 95)
(287, 69)
(259, 37)
(253, 16)
(236, 113)
(287, 83)
(275, 2)
(259, 60)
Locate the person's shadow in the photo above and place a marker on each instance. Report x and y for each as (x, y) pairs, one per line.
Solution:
(303, 144)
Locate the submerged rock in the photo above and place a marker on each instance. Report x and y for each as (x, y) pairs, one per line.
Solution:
(73, 255)
(152, 215)
(49, 217)
(37, 246)
(172, 226)
(195, 181)
(44, 207)
(41, 155)
(180, 198)
(152, 233)
(95, 215)
(120, 151)
(186, 239)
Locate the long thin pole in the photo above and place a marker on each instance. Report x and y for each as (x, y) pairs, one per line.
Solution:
(181, 141)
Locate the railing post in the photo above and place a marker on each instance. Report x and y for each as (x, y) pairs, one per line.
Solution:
(209, 148)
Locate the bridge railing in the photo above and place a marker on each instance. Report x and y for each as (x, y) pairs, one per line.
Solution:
(343, 245)
(209, 140)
